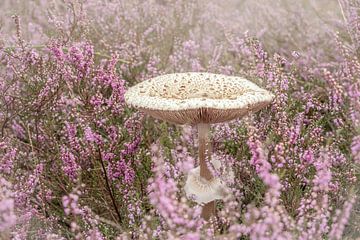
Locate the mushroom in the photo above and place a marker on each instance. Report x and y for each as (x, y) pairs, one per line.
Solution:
(199, 98)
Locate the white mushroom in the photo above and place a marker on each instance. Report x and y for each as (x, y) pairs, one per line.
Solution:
(199, 99)
(192, 98)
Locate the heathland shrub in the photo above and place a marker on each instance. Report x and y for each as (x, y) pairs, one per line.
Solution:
(76, 162)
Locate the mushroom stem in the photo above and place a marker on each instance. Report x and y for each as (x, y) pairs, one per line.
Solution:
(204, 150)
(205, 154)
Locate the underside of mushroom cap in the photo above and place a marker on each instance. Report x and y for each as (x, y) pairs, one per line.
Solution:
(203, 191)
(191, 98)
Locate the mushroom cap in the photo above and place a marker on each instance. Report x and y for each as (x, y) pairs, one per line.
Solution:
(197, 97)
(204, 191)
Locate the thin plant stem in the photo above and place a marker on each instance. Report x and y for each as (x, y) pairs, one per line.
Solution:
(108, 187)
(346, 22)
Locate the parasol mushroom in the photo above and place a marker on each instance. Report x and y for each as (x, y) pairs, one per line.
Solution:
(200, 99)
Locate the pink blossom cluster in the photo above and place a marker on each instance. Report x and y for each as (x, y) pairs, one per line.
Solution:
(7, 205)
(77, 163)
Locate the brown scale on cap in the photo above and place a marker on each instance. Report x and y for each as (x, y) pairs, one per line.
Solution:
(191, 98)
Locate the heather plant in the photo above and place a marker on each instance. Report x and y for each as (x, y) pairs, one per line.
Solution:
(77, 163)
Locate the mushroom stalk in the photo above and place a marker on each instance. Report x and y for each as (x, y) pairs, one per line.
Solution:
(204, 150)
(204, 155)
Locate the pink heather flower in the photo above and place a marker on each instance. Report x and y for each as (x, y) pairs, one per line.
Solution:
(18, 130)
(71, 134)
(187, 135)
(82, 57)
(92, 137)
(258, 157)
(323, 173)
(308, 157)
(7, 160)
(124, 171)
(33, 57)
(341, 218)
(190, 48)
(336, 91)
(269, 221)
(69, 166)
(355, 149)
(314, 210)
(163, 196)
(185, 162)
(152, 67)
(7, 211)
(57, 52)
(94, 234)
(71, 205)
(132, 147)
(192, 236)
(263, 168)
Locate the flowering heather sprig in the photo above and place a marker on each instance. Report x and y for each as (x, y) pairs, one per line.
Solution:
(7, 207)
(92, 137)
(70, 204)
(355, 149)
(82, 58)
(178, 216)
(263, 168)
(341, 218)
(322, 178)
(106, 77)
(226, 131)
(18, 130)
(7, 159)
(184, 162)
(29, 186)
(123, 167)
(80, 215)
(71, 136)
(350, 10)
(187, 56)
(122, 170)
(188, 135)
(314, 210)
(351, 72)
(271, 220)
(336, 91)
(70, 166)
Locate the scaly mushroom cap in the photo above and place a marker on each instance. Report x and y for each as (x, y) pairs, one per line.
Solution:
(204, 191)
(192, 98)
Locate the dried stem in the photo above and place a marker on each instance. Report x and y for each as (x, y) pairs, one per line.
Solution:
(108, 187)
(204, 154)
